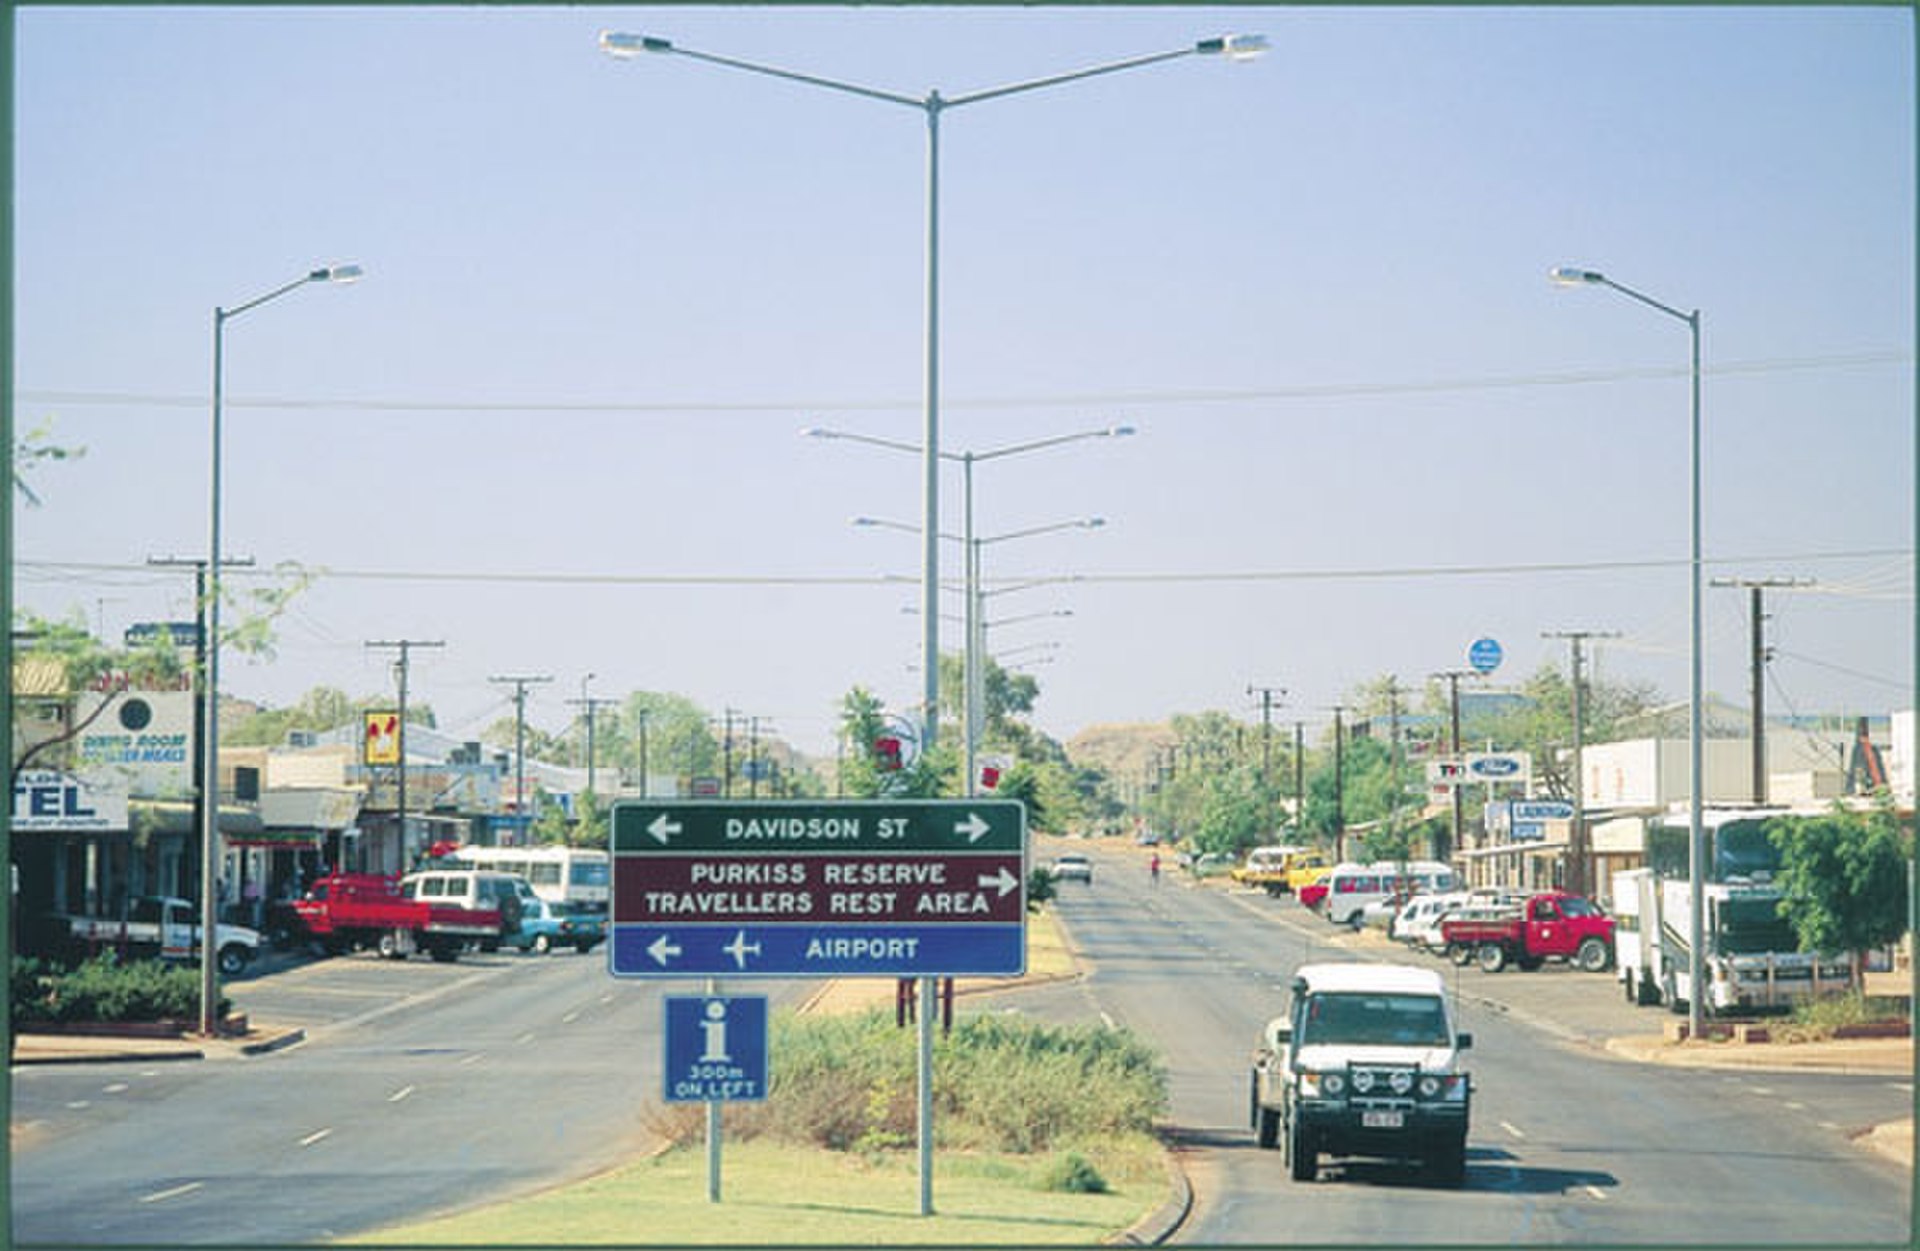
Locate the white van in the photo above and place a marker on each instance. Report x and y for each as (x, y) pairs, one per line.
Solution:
(1351, 887)
(474, 888)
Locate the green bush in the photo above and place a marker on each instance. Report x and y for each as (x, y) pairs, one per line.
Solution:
(106, 988)
(1073, 1174)
(1000, 1083)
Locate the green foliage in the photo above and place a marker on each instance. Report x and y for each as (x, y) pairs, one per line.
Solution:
(104, 988)
(1040, 887)
(846, 1083)
(1843, 877)
(1073, 1174)
(31, 450)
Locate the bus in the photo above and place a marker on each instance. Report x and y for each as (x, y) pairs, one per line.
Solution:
(576, 876)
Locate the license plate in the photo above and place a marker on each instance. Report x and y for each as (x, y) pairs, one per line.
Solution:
(1382, 1120)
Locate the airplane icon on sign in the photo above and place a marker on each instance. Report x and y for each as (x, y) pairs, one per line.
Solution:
(740, 949)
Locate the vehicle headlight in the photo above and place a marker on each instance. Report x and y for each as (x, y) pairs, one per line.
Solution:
(1316, 1085)
(1401, 1082)
(1430, 1086)
(1362, 1082)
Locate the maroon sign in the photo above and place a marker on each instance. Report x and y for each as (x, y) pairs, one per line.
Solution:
(916, 888)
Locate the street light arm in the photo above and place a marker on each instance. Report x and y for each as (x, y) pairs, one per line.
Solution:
(1568, 276)
(1111, 432)
(1083, 523)
(1236, 47)
(619, 44)
(824, 432)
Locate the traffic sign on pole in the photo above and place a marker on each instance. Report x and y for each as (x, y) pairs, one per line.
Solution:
(716, 1048)
(879, 888)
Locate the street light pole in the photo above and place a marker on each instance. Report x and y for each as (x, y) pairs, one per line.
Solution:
(1696, 837)
(972, 684)
(209, 780)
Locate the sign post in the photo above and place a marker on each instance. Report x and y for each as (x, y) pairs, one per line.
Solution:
(716, 1053)
(795, 888)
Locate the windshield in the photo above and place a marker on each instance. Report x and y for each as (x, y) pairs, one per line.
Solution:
(1377, 1020)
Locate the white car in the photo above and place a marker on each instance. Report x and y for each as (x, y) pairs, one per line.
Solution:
(1072, 865)
(1418, 923)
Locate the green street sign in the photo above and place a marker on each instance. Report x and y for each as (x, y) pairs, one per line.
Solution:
(668, 827)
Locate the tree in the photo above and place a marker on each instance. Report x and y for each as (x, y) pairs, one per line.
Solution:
(31, 450)
(55, 661)
(873, 765)
(1844, 878)
(1541, 723)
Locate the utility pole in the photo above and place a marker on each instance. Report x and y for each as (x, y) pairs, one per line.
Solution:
(644, 714)
(1339, 787)
(1577, 856)
(726, 753)
(590, 708)
(405, 648)
(1299, 775)
(1266, 694)
(520, 685)
(1393, 751)
(1452, 678)
(206, 798)
(753, 757)
(1760, 655)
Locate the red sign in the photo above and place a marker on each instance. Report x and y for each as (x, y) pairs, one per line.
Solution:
(918, 888)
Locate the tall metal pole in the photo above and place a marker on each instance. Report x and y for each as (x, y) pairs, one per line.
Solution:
(520, 685)
(1757, 652)
(1696, 733)
(403, 668)
(209, 779)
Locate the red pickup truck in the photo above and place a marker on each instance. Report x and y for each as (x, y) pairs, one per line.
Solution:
(1548, 926)
(344, 911)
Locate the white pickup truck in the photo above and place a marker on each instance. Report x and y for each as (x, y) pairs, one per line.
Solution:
(168, 928)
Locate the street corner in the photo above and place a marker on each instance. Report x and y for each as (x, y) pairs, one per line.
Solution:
(1893, 1139)
(1889, 1057)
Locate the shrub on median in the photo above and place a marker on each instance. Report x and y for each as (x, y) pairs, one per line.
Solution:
(104, 989)
(1001, 1083)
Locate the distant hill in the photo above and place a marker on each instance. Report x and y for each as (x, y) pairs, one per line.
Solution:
(1121, 751)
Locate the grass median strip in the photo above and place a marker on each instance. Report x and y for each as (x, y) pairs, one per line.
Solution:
(780, 1194)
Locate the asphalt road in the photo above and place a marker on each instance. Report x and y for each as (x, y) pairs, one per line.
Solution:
(1568, 1144)
(420, 1088)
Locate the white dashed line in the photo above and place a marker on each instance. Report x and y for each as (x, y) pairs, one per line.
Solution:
(1595, 1191)
(1515, 1130)
(314, 1137)
(114, 1089)
(159, 1196)
(399, 1094)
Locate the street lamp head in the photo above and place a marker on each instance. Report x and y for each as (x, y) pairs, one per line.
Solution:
(1233, 47)
(1092, 523)
(1568, 276)
(336, 273)
(621, 44)
(819, 432)
(1119, 432)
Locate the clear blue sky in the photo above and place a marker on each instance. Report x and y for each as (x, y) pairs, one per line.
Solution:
(603, 298)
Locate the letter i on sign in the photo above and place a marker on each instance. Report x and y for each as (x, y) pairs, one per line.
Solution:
(714, 1028)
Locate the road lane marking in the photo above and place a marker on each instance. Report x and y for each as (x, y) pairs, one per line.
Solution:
(526, 1038)
(469, 1059)
(314, 1137)
(159, 1196)
(113, 1089)
(79, 1105)
(1515, 1130)
(570, 1017)
(1596, 1192)
(1796, 1105)
(399, 1094)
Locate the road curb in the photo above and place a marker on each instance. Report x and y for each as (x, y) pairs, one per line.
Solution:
(1158, 1225)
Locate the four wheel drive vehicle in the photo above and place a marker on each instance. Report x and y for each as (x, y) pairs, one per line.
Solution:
(1072, 865)
(476, 890)
(1552, 925)
(545, 925)
(166, 928)
(344, 911)
(1420, 917)
(1365, 1063)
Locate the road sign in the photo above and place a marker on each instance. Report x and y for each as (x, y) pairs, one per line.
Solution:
(1485, 655)
(878, 888)
(1500, 766)
(716, 1048)
(1541, 810)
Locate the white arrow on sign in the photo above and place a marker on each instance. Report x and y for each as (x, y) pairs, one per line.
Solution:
(663, 950)
(662, 828)
(973, 827)
(740, 949)
(1006, 881)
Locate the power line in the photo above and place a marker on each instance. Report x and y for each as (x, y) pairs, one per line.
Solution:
(1854, 360)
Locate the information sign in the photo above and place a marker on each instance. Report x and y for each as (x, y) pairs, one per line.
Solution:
(716, 1048)
(1485, 655)
(880, 888)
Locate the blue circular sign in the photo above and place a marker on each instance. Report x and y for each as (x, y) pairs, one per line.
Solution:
(1484, 655)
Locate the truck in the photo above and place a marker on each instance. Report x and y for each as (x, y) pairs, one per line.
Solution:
(1268, 867)
(343, 912)
(1366, 1062)
(1550, 925)
(1750, 955)
(167, 928)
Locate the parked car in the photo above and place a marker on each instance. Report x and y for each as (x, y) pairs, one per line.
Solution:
(1211, 864)
(1073, 865)
(545, 925)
